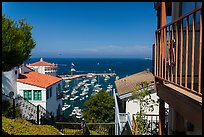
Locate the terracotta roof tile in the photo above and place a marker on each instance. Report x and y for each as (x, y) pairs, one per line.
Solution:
(42, 63)
(128, 84)
(38, 79)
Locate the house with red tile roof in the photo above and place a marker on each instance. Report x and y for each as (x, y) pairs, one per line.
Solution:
(44, 67)
(41, 89)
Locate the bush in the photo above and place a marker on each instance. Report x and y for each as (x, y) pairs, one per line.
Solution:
(22, 127)
(7, 109)
(68, 131)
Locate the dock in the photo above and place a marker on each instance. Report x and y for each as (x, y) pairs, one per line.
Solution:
(89, 75)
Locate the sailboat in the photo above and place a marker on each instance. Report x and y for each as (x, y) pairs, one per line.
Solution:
(72, 68)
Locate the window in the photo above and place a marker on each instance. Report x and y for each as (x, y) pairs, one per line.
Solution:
(27, 94)
(47, 93)
(50, 91)
(37, 95)
(59, 88)
(56, 91)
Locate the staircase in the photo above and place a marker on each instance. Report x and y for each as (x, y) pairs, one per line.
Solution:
(122, 120)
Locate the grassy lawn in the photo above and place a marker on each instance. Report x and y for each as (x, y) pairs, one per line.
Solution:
(22, 127)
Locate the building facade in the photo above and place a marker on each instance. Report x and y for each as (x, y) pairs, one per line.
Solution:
(41, 89)
(44, 67)
(177, 66)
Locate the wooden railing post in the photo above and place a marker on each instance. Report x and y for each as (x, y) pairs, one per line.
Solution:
(161, 117)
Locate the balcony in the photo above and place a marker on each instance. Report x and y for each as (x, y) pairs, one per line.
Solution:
(178, 52)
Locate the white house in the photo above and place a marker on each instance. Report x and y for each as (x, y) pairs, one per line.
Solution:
(125, 88)
(44, 67)
(41, 89)
(9, 79)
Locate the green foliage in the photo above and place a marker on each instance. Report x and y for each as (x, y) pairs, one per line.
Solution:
(22, 127)
(68, 131)
(99, 108)
(17, 43)
(140, 117)
(7, 109)
(142, 95)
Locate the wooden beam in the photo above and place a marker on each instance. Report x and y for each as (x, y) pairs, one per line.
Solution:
(181, 53)
(193, 53)
(187, 107)
(186, 68)
(200, 56)
(176, 69)
(169, 57)
(161, 117)
(172, 44)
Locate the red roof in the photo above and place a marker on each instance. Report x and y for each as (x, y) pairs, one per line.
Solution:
(38, 79)
(42, 63)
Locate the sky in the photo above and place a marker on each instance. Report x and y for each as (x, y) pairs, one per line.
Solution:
(88, 29)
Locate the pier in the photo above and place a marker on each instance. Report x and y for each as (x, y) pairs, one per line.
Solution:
(88, 75)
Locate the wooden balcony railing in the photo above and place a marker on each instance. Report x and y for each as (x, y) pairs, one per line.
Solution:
(178, 52)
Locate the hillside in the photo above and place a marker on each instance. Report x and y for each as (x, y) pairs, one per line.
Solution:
(22, 127)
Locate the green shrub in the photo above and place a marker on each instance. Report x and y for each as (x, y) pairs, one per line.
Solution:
(22, 127)
(7, 109)
(68, 131)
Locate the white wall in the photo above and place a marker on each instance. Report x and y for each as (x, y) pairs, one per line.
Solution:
(52, 103)
(9, 81)
(22, 86)
(133, 107)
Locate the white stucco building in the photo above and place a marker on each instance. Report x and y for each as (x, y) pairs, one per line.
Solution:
(125, 88)
(41, 89)
(44, 67)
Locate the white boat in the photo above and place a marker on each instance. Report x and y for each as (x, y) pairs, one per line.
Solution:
(108, 90)
(66, 86)
(83, 93)
(86, 89)
(74, 98)
(93, 81)
(117, 77)
(65, 107)
(87, 85)
(82, 98)
(86, 80)
(97, 85)
(78, 116)
(74, 91)
(65, 91)
(90, 75)
(107, 78)
(72, 69)
(67, 80)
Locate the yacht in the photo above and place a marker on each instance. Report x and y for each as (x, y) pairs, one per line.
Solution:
(107, 78)
(74, 92)
(65, 107)
(74, 98)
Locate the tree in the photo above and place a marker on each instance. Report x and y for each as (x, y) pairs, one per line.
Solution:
(17, 43)
(99, 108)
(142, 95)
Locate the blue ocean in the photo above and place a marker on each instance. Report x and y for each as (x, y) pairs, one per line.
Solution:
(122, 68)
